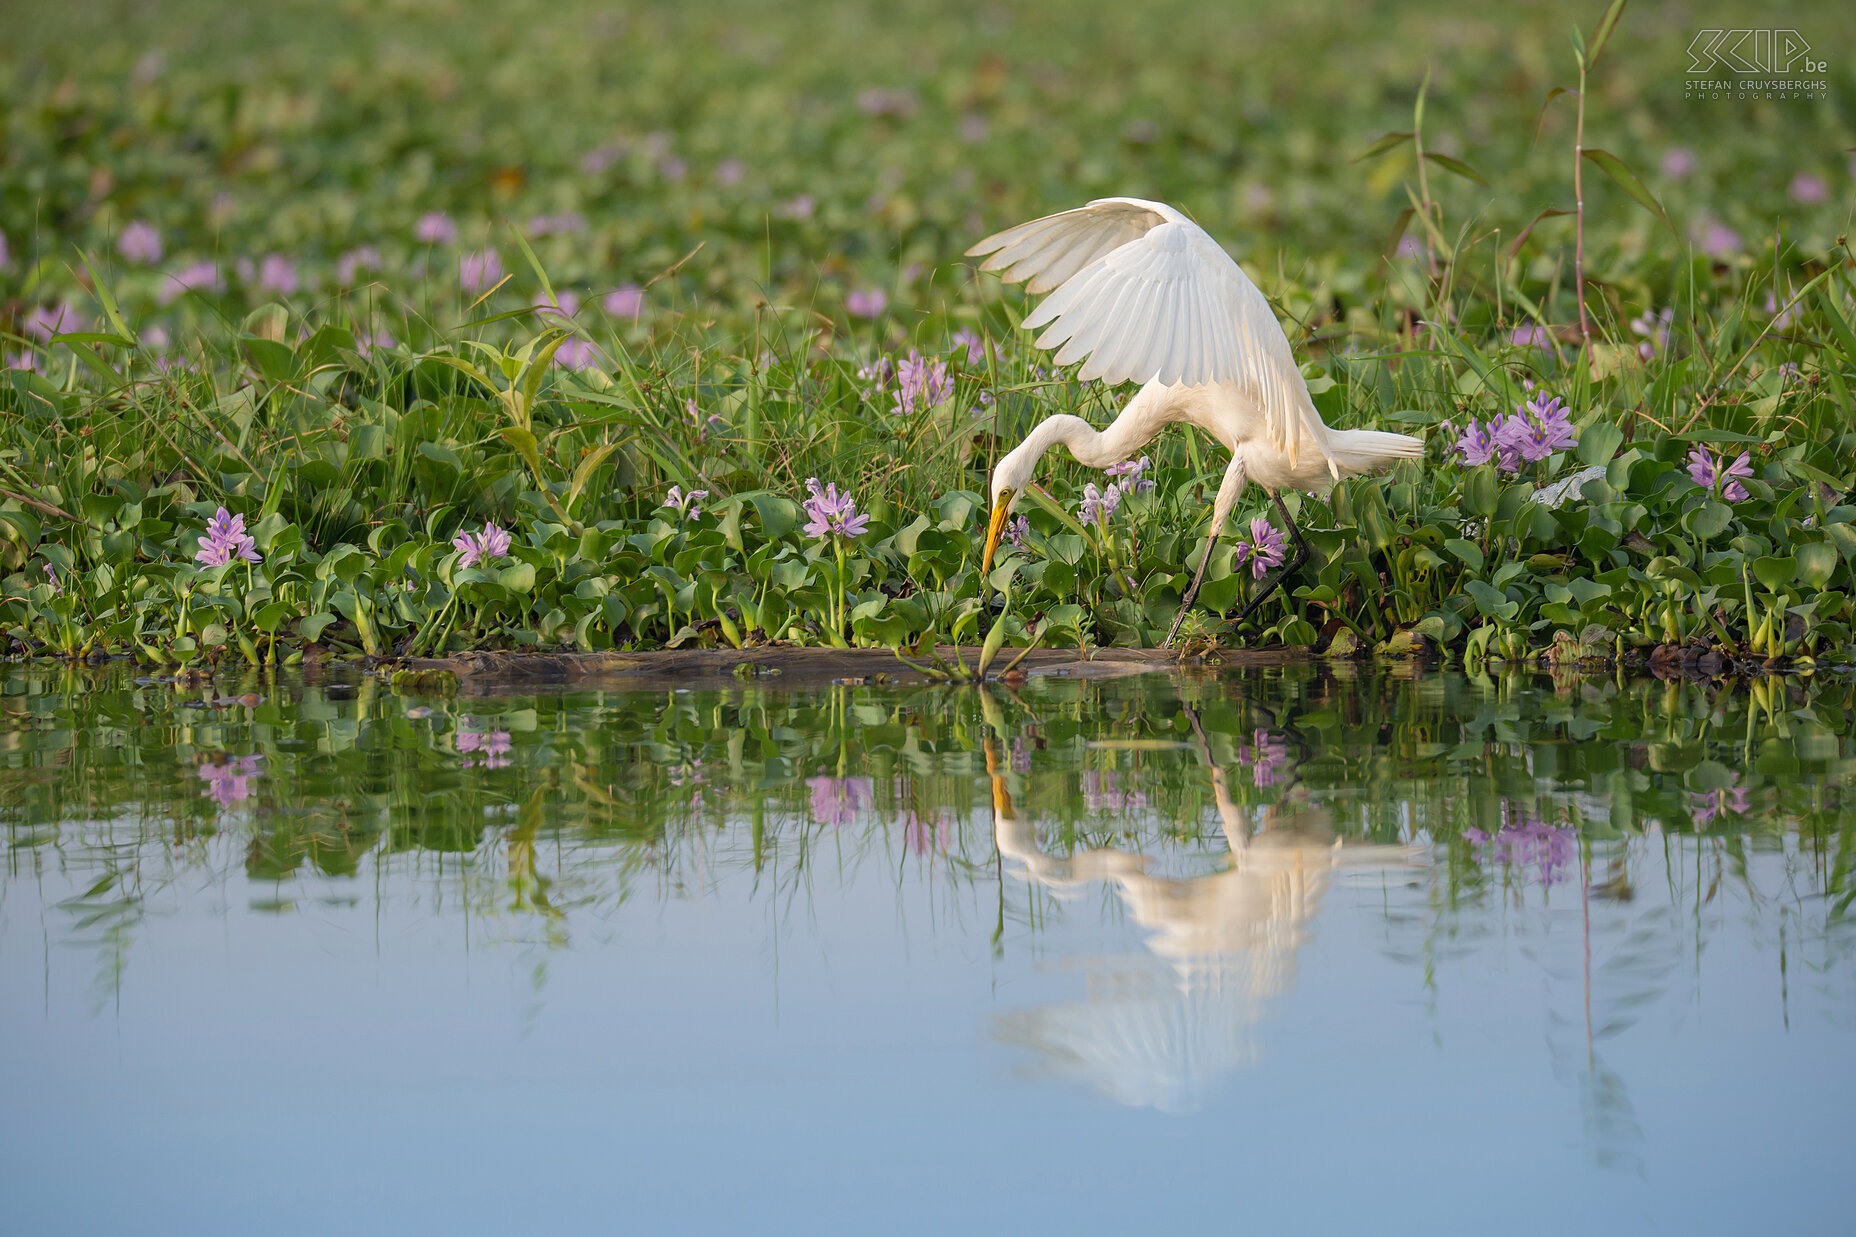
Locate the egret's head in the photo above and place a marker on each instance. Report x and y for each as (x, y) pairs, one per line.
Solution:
(1009, 480)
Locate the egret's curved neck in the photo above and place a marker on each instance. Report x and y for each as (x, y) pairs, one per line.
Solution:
(1129, 432)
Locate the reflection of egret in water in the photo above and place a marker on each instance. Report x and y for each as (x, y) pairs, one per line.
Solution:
(1227, 943)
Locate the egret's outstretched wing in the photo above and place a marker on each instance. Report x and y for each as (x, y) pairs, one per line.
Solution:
(1144, 293)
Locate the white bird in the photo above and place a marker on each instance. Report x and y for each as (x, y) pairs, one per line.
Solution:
(1147, 296)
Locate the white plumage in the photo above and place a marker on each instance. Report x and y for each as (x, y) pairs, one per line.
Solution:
(1140, 293)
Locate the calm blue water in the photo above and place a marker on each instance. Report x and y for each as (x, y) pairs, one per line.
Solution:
(1271, 953)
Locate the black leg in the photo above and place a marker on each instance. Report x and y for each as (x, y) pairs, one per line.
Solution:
(1301, 556)
(1198, 577)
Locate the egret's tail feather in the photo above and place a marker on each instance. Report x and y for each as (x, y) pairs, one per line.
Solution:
(1365, 450)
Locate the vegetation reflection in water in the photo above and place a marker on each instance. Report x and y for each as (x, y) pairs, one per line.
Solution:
(1611, 827)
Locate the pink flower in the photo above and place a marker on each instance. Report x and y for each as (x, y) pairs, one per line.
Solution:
(800, 207)
(197, 277)
(1476, 446)
(972, 342)
(491, 543)
(832, 513)
(1654, 329)
(729, 172)
(865, 302)
(60, 319)
(576, 354)
(921, 384)
(1715, 238)
(5, 256)
(1016, 530)
(494, 746)
(354, 262)
(366, 341)
(1532, 337)
(624, 301)
(277, 274)
(435, 228)
(1809, 190)
(480, 271)
(140, 243)
(563, 224)
(1678, 162)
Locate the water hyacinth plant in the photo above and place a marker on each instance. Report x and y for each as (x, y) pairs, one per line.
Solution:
(451, 343)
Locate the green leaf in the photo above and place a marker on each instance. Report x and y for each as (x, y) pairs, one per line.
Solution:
(517, 577)
(1817, 562)
(1602, 35)
(1774, 572)
(1627, 180)
(1468, 551)
(1708, 520)
(1390, 141)
(1456, 165)
(311, 627)
(1598, 443)
(778, 514)
(523, 440)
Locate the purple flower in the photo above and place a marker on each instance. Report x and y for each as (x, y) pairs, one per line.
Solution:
(354, 262)
(1532, 337)
(1130, 472)
(973, 127)
(1536, 430)
(1653, 327)
(195, 277)
(277, 274)
(689, 505)
(832, 513)
(1476, 446)
(563, 224)
(879, 102)
(1706, 805)
(366, 341)
(59, 319)
(800, 207)
(865, 302)
(1678, 161)
(230, 782)
(672, 168)
(728, 172)
(1716, 239)
(1016, 530)
(435, 228)
(624, 301)
(481, 270)
(1808, 189)
(1098, 505)
(226, 540)
(1100, 793)
(487, 749)
(704, 426)
(1781, 319)
(1266, 548)
(836, 799)
(23, 361)
(597, 160)
(576, 354)
(1706, 471)
(140, 243)
(974, 343)
(920, 383)
(51, 577)
(5, 256)
(1266, 755)
(491, 543)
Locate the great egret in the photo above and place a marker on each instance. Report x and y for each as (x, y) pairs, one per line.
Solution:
(1147, 296)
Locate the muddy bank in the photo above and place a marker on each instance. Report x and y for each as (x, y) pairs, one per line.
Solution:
(687, 667)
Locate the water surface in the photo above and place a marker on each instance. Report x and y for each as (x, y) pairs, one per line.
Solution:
(1269, 952)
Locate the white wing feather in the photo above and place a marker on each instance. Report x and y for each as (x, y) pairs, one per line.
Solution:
(1139, 292)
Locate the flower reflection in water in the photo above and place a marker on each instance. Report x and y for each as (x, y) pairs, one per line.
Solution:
(228, 779)
(1523, 840)
(488, 749)
(836, 799)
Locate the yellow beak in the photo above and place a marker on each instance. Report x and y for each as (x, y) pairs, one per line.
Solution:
(1000, 511)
